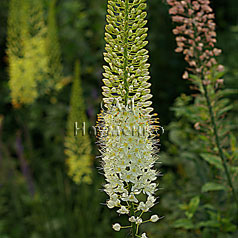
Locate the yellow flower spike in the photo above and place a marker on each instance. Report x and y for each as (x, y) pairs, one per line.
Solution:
(27, 47)
(77, 148)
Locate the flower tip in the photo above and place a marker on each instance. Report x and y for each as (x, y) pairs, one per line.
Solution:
(185, 75)
(154, 218)
(220, 68)
(116, 227)
(144, 235)
(132, 219)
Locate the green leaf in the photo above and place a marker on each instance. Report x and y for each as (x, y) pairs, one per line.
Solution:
(234, 170)
(209, 206)
(212, 187)
(184, 223)
(195, 77)
(213, 160)
(228, 92)
(219, 75)
(183, 207)
(176, 136)
(227, 225)
(224, 110)
(234, 145)
(192, 207)
(211, 223)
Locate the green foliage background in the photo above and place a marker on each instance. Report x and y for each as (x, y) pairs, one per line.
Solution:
(38, 199)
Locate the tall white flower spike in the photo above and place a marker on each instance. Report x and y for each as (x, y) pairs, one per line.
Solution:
(128, 136)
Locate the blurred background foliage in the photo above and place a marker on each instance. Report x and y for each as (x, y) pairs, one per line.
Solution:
(38, 199)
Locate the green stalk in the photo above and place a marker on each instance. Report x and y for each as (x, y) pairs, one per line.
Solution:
(125, 72)
(221, 154)
(126, 30)
(133, 224)
(132, 213)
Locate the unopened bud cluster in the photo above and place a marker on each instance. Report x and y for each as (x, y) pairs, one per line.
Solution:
(195, 34)
(127, 72)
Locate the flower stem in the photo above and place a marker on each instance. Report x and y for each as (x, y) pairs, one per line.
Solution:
(133, 224)
(126, 30)
(221, 154)
(132, 213)
(213, 122)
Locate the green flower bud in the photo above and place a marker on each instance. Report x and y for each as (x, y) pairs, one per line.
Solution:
(107, 82)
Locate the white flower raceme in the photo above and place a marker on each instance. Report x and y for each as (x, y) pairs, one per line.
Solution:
(127, 140)
(127, 133)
